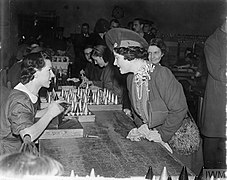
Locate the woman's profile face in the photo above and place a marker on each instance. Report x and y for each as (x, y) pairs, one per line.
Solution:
(121, 63)
(87, 53)
(99, 60)
(45, 75)
(154, 54)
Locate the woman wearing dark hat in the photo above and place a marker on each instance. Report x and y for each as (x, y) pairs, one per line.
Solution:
(152, 82)
(158, 102)
(168, 103)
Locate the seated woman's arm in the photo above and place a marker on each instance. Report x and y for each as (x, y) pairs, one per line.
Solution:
(21, 117)
(36, 129)
(40, 113)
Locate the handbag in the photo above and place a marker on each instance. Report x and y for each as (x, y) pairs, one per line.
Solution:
(28, 146)
(186, 139)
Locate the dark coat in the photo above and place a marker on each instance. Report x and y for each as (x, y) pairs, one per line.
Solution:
(110, 81)
(214, 112)
(148, 37)
(93, 72)
(166, 102)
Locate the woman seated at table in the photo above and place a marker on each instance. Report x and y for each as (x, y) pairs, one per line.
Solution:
(92, 72)
(110, 77)
(20, 110)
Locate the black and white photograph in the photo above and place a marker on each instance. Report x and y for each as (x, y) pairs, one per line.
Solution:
(113, 89)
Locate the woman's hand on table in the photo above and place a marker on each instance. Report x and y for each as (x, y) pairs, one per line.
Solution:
(153, 135)
(150, 135)
(55, 109)
(134, 135)
(143, 131)
(67, 106)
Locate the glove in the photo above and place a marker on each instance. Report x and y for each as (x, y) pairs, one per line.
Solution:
(153, 135)
(150, 135)
(135, 135)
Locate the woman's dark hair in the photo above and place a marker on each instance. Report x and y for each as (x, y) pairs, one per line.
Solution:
(31, 63)
(159, 43)
(85, 24)
(132, 52)
(88, 46)
(101, 26)
(104, 52)
(115, 21)
(21, 164)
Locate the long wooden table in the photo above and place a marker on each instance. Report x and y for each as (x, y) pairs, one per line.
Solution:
(107, 150)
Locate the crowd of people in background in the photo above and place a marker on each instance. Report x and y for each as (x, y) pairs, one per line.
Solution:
(81, 49)
(74, 46)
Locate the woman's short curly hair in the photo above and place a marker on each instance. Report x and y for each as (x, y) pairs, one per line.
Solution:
(31, 63)
(132, 52)
(159, 43)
